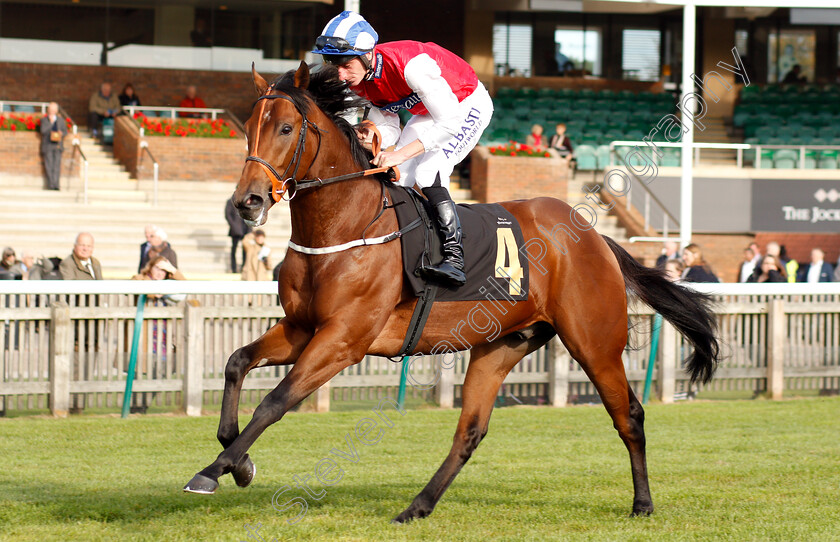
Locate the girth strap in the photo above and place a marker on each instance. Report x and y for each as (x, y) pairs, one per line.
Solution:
(418, 321)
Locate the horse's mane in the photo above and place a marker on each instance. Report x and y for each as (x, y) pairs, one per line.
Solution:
(331, 96)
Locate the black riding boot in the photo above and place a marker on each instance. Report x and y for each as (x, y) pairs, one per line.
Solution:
(449, 272)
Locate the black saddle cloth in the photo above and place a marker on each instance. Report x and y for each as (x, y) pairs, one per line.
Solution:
(491, 236)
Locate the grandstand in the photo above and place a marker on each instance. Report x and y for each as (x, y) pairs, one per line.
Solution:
(759, 141)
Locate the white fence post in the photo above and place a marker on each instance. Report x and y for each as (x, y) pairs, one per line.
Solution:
(776, 347)
(558, 360)
(193, 393)
(61, 350)
(445, 389)
(321, 398)
(667, 369)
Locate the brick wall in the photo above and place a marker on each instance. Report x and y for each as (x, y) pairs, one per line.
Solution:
(504, 178)
(72, 86)
(20, 154)
(179, 158)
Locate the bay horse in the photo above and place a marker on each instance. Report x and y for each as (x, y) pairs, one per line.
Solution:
(343, 305)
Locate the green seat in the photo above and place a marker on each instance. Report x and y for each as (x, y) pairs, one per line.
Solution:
(764, 133)
(543, 103)
(505, 91)
(526, 92)
(602, 154)
(545, 92)
(785, 159)
(634, 135)
(826, 132)
(671, 157)
(827, 163)
(586, 157)
(807, 132)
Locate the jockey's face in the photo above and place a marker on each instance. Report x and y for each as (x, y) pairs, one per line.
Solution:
(353, 71)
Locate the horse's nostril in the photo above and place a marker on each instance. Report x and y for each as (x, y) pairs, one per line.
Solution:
(253, 201)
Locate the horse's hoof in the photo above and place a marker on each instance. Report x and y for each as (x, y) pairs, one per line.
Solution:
(202, 485)
(410, 514)
(244, 473)
(642, 510)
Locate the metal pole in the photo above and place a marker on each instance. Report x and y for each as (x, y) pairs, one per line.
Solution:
(132, 361)
(403, 376)
(654, 347)
(155, 167)
(687, 182)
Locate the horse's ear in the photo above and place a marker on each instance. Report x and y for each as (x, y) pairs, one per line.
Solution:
(260, 83)
(302, 76)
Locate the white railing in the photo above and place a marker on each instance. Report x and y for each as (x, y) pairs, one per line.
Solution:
(144, 148)
(7, 105)
(739, 148)
(77, 144)
(67, 343)
(172, 112)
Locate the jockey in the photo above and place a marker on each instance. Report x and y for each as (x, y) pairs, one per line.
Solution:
(450, 108)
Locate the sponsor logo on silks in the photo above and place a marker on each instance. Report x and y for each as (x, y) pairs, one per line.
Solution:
(465, 133)
(377, 72)
(406, 103)
(502, 220)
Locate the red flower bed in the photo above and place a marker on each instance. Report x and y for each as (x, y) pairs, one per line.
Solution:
(154, 126)
(518, 149)
(23, 122)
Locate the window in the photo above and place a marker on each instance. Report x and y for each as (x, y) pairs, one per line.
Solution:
(580, 49)
(512, 49)
(788, 49)
(741, 40)
(640, 54)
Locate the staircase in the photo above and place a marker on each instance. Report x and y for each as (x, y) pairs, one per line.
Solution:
(715, 132)
(607, 224)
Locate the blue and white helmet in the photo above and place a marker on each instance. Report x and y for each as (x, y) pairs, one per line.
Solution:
(347, 34)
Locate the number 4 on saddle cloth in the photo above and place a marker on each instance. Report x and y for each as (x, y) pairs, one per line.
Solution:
(494, 267)
(492, 263)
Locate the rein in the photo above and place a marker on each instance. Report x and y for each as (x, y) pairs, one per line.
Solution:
(279, 182)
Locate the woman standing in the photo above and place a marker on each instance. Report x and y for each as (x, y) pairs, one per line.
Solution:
(696, 268)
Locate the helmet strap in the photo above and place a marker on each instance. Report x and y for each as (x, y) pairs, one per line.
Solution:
(368, 65)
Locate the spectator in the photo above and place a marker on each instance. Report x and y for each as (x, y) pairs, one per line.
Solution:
(561, 143)
(791, 266)
(27, 263)
(670, 251)
(45, 269)
(199, 35)
(237, 230)
(674, 269)
(159, 247)
(146, 246)
(80, 264)
(696, 270)
(794, 76)
(103, 105)
(747, 266)
(159, 268)
(10, 267)
(257, 265)
(191, 100)
(129, 96)
(536, 137)
(756, 253)
(53, 130)
(564, 65)
(769, 271)
(817, 271)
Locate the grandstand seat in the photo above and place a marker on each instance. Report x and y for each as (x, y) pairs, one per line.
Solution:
(826, 132)
(763, 133)
(602, 153)
(526, 92)
(567, 93)
(586, 157)
(543, 103)
(545, 92)
(671, 157)
(591, 137)
(827, 163)
(785, 159)
(586, 93)
(505, 91)
(807, 132)
(634, 135)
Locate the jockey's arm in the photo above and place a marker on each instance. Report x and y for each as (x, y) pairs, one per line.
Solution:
(388, 125)
(424, 77)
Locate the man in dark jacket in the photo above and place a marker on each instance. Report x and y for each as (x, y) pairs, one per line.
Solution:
(817, 271)
(238, 230)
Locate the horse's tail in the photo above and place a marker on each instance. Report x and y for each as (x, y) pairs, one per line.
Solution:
(689, 311)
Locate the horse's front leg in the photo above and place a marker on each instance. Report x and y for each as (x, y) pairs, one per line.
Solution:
(330, 350)
(280, 345)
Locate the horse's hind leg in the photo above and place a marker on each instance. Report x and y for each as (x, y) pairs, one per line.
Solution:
(280, 345)
(599, 353)
(489, 364)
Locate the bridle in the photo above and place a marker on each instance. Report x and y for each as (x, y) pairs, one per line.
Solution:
(282, 185)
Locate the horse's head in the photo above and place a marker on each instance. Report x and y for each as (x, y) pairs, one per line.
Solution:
(276, 132)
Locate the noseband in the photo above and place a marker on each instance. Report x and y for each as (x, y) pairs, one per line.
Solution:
(280, 184)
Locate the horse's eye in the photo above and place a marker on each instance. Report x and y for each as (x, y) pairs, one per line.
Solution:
(286, 129)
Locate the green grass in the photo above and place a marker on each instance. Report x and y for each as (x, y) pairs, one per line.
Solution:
(741, 470)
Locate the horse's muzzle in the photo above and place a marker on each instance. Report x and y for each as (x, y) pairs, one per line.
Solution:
(253, 209)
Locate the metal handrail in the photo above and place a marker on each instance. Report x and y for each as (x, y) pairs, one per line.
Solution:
(131, 109)
(738, 147)
(78, 145)
(144, 146)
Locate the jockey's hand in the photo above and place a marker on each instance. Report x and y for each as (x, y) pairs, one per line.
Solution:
(365, 137)
(389, 159)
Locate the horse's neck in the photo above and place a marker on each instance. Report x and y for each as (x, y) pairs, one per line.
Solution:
(338, 212)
